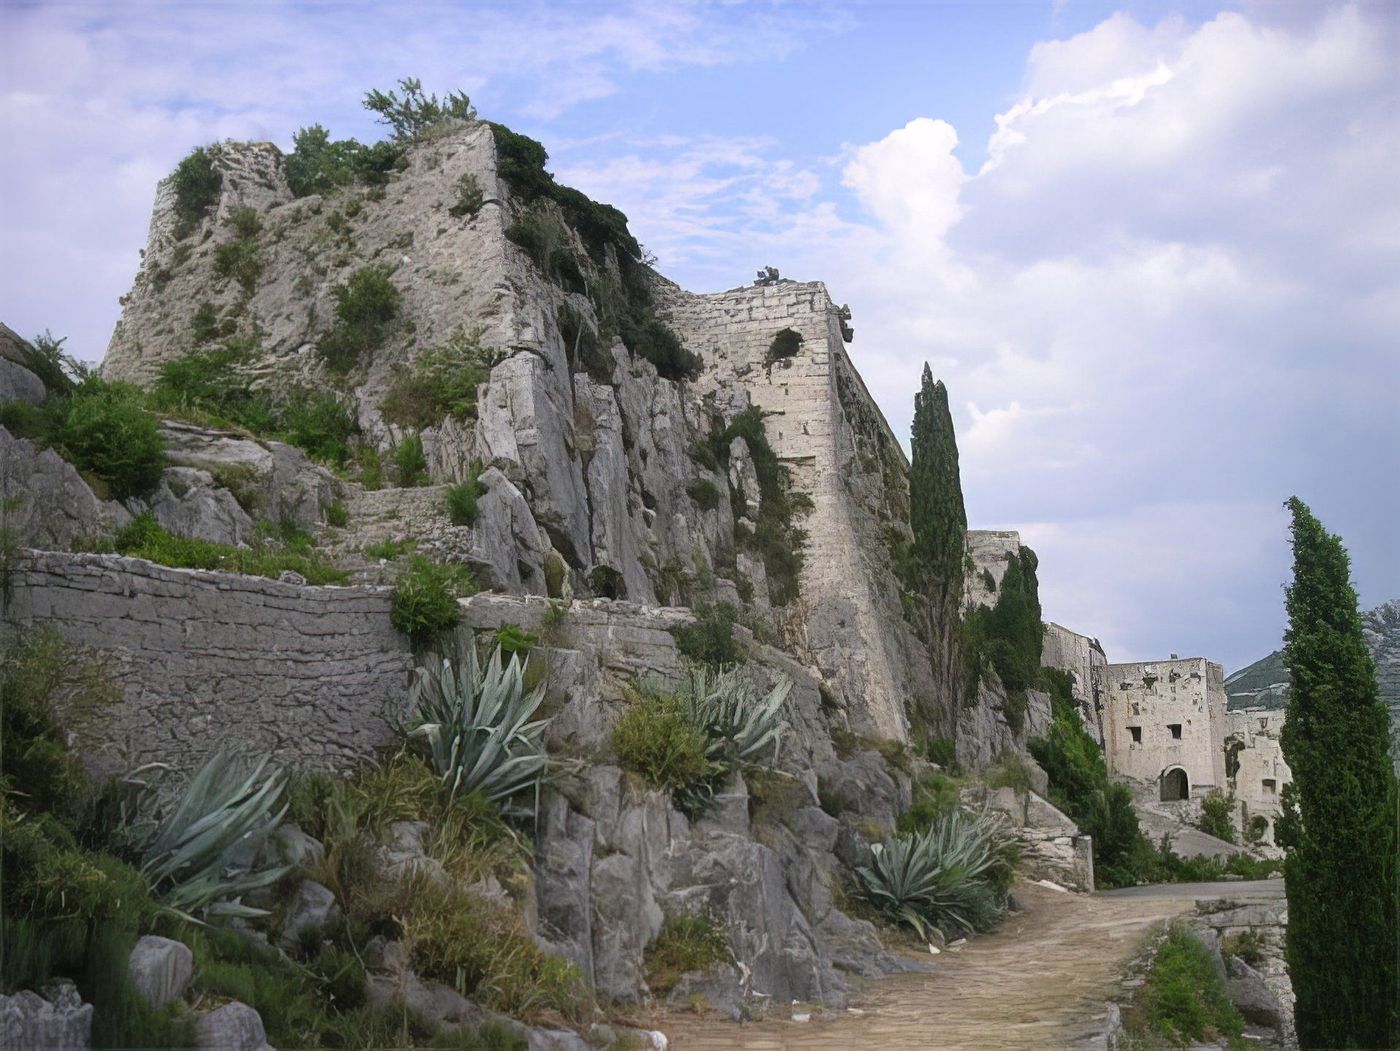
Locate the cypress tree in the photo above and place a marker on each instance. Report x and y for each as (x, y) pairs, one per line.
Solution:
(939, 524)
(936, 512)
(1342, 934)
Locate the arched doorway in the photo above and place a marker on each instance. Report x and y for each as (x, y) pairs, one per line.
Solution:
(1175, 785)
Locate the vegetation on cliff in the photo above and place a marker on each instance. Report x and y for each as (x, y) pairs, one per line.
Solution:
(1341, 827)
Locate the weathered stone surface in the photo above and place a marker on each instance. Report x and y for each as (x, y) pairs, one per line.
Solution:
(58, 1021)
(317, 676)
(311, 912)
(557, 1040)
(160, 969)
(233, 1027)
(289, 845)
(507, 548)
(17, 383)
(188, 502)
(52, 505)
(1250, 992)
(277, 480)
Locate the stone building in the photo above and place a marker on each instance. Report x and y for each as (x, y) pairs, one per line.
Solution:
(1165, 724)
(1083, 659)
(1255, 769)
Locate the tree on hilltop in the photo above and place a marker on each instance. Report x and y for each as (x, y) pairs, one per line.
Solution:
(409, 116)
(1340, 871)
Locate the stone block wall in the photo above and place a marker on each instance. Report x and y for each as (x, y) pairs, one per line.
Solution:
(1082, 657)
(315, 675)
(827, 430)
(1142, 703)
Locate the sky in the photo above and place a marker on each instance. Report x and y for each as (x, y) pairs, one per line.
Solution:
(1153, 249)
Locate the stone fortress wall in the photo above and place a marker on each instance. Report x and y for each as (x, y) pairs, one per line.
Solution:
(827, 430)
(1161, 717)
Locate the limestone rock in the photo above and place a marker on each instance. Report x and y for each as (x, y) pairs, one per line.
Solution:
(17, 383)
(53, 505)
(276, 480)
(507, 548)
(1249, 992)
(557, 1040)
(188, 502)
(233, 1027)
(160, 969)
(313, 909)
(289, 845)
(58, 1021)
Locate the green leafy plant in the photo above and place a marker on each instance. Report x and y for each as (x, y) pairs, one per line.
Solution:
(684, 944)
(240, 258)
(659, 738)
(1217, 811)
(410, 464)
(439, 383)
(514, 641)
(425, 598)
(269, 555)
(478, 727)
(191, 840)
(705, 494)
(461, 499)
(410, 115)
(1183, 996)
(337, 515)
(710, 639)
(469, 197)
(952, 876)
(319, 165)
(197, 182)
(104, 428)
(365, 305)
(785, 345)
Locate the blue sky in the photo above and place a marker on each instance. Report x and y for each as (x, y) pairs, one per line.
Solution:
(1152, 248)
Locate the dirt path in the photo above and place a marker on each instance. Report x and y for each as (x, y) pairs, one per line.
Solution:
(1038, 983)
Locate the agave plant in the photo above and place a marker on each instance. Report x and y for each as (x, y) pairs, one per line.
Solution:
(744, 728)
(476, 724)
(952, 876)
(195, 844)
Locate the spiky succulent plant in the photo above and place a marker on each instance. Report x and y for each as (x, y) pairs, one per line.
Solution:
(952, 876)
(476, 726)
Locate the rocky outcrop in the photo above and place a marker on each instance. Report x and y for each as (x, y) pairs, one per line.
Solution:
(233, 1027)
(46, 503)
(160, 969)
(56, 1021)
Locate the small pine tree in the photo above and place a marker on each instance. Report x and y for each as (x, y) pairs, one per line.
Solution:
(1342, 933)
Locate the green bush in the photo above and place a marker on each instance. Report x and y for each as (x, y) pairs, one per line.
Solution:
(785, 344)
(337, 515)
(197, 182)
(514, 641)
(438, 383)
(104, 428)
(461, 502)
(710, 640)
(1184, 998)
(204, 324)
(410, 116)
(321, 166)
(684, 944)
(659, 738)
(705, 494)
(45, 358)
(1216, 813)
(777, 540)
(469, 197)
(425, 599)
(410, 464)
(935, 797)
(652, 339)
(240, 258)
(365, 305)
(269, 556)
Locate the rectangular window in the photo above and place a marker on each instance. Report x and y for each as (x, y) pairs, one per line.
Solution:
(1270, 786)
(1175, 728)
(1136, 731)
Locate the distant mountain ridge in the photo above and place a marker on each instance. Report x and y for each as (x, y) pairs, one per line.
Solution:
(1264, 684)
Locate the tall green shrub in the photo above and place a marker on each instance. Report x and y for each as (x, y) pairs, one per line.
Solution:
(105, 429)
(1341, 870)
(936, 512)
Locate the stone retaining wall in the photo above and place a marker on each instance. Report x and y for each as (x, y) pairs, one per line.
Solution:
(316, 675)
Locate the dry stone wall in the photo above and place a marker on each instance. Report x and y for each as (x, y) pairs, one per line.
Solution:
(204, 661)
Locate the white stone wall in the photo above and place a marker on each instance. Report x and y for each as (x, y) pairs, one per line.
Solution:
(991, 551)
(827, 430)
(1262, 773)
(1083, 658)
(1152, 696)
